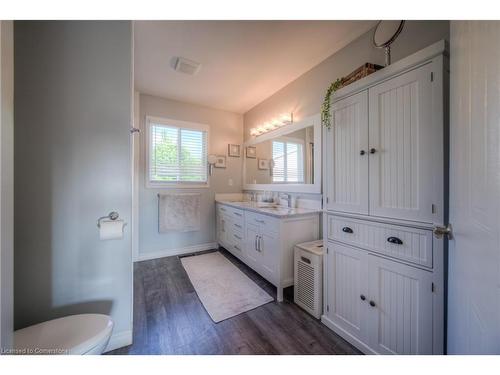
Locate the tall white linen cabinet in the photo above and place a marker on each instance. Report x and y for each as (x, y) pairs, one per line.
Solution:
(384, 196)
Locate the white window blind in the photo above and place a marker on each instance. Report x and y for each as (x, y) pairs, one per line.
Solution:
(288, 160)
(177, 155)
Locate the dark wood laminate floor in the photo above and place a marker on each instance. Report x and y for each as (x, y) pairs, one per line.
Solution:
(170, 319)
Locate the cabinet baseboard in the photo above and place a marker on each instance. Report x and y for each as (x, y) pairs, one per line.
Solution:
(347, 336)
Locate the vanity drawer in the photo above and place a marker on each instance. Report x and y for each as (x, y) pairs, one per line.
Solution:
(268, 223)
(236, 215)
(408, 244)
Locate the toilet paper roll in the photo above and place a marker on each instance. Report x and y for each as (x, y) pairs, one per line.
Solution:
(111, 229)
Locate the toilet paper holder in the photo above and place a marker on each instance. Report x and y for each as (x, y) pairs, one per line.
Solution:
(113, 215)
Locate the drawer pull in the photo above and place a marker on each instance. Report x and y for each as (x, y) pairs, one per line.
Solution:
(362, 297)
(395, 240)
(362, 152)
(237, 225)
(372, 151)
(347, 230)
(304, 259)
(237, 214)
(372, 304)
(238, 237)
(260, 221)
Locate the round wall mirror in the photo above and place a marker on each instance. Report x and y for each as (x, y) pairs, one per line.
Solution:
(385, 34)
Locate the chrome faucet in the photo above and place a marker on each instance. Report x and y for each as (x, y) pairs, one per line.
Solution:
(288, 197)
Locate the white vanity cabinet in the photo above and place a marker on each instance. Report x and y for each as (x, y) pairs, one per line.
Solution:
(264, 242)
(384, 164)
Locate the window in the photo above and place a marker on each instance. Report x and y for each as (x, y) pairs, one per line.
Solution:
(288, 157)
(177, 153)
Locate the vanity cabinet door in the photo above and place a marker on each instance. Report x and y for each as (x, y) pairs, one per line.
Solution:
(221, 229)
(400, 308)
(406, 158)
(347, 155)
(269, 253)
(251, 249)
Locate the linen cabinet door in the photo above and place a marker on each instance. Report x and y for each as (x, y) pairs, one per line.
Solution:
(400, 308)
(347, 155)
(406, 162)
(347, 294)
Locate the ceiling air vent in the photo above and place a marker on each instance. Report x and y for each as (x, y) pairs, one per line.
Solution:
(187, 66)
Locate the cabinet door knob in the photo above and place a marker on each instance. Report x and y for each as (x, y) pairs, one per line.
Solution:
(347, 230)
(362, 152)
(372, 151)
(395, 240)
(362, 297)
(372, 304)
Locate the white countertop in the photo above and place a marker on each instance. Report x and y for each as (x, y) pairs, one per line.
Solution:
(270, 209)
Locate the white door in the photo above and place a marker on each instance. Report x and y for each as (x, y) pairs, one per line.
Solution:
(347, 293)
(402, 143)
(474, 253)
(400, 308)
(7, 183)
(347, 155)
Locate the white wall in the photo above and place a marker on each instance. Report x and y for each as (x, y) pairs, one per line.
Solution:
(73, 111)
(225, 128)
(304, 96)
(6, 183)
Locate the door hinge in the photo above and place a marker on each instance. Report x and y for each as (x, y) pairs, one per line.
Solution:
(432, 76)
(327, 307)
(433, 288)
(327, 250)
(433, 208)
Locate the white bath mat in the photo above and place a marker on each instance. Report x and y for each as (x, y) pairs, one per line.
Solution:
(223, 289)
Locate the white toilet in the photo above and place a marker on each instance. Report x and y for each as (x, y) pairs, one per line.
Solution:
(74, 334)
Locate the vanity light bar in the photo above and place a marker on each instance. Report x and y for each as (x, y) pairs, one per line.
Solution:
(275, 123)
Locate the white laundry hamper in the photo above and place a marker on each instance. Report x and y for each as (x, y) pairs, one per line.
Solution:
(308, 275)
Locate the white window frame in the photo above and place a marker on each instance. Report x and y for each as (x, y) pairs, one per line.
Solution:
(152, 120)
(296, 141)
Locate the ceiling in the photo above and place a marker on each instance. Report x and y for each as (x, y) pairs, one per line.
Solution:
(242, 62)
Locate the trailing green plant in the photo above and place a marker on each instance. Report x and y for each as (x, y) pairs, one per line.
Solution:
(326, 116)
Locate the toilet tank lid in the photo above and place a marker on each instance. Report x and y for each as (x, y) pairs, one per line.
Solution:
(74, 334)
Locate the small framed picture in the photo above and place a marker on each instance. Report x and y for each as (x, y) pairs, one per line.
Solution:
(233, 150)
(251, 152)
(263, 164)
(220, 162)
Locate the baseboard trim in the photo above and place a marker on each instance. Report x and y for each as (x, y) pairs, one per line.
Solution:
(347, 336)
(177, 251)
(119, 340)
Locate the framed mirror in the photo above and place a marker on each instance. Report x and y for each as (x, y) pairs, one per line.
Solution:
(286, 159)
(385, 34)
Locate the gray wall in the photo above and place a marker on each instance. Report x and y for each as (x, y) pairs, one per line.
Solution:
(225, 128)
(304, 96)
(72, 165)
(7, 183)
